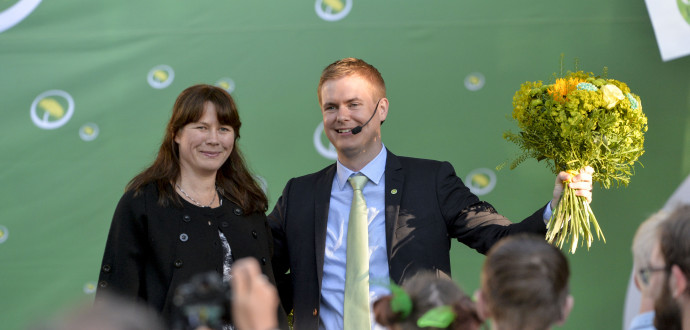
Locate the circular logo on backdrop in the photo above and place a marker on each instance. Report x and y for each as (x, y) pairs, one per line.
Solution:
(481, 181)
(474, 81)
(52, 109)
(12, 15)
(161, 76)
(227, 84)
(89, 287)
(4, 234)
(325, 149)
(684, 8)
(88, 132)
(332, 10)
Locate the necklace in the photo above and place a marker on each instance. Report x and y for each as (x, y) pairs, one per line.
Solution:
(195, 201)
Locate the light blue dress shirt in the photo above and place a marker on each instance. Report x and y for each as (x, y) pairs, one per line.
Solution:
(333, 282)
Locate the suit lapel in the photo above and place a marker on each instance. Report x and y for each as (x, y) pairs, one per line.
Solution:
(395, 180)
(322, 198)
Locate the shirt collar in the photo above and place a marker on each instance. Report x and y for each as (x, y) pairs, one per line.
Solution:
(373, 170)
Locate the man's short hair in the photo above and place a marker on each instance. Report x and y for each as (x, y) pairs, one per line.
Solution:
(673, 239)
(353, 66)
(524, 282)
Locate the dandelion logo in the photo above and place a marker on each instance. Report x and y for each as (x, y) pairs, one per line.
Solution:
(4, 234)
(226, 84)
(88, 132)
(160, 76)
(684, 8)
(89, 287)
(12, 15)
(474, 81)
(481, 181)
(332, 10)
(327, 151)
(52, 109)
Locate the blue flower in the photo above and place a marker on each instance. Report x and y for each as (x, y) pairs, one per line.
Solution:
(633, 101)
(587, 87)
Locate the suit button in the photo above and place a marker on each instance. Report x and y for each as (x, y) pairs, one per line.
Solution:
(254, 234)
(103, 284)
(106, 268)
(186, 218)
(263, 261)
(224, 224)
(184, 237)
(237, 211)
(315, 312)
(178, 263)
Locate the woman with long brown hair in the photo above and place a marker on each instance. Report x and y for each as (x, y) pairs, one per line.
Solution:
(195, 210)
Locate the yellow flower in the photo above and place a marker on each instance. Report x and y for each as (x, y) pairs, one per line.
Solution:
(559, 91)
(611, 95)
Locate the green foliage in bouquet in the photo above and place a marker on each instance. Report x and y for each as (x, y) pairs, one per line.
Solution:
(579, 120)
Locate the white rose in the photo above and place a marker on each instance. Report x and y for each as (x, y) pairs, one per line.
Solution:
(611, 94)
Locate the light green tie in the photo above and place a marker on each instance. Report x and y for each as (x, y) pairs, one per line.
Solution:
(356, 309)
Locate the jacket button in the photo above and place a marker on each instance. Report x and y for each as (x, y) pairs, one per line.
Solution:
(224, 224)
(263, 261)
(315, 312)
(254, 234)
(237, 211)
(178, 263)
(184, 237)
(186, 218)
(103, 284)
(106, 268)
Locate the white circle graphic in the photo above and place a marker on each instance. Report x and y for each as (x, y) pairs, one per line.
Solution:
(161, 76)
(17, 13)
(89, 287)
(227, 84)
(325, 151)
(332, 10)
(54, 115)
(474, 81)
(481, 181)
(4, 234)
(88, 132)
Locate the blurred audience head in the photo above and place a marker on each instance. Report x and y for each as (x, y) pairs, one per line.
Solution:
(524, 284)
(430, 297)
(671, 259)
(643, 243)
(109, 313)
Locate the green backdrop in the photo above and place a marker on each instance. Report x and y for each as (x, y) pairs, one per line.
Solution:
(103, 77)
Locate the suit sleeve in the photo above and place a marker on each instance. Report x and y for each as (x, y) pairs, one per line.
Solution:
(277, 220)
(473, 222)
(122, 269)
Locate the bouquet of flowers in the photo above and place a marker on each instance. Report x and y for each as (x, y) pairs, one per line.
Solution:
(577, 121)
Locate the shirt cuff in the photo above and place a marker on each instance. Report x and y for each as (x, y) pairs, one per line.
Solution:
(547, 213)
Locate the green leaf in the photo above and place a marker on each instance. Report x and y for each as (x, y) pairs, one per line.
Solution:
(401, 302)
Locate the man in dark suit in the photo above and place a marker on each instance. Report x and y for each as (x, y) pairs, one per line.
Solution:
(413, 208)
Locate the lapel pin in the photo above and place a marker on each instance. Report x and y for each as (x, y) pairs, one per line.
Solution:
(394, 191)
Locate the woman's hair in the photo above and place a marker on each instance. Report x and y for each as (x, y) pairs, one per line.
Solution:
(233, 178)
(524, 282)
(427, 292)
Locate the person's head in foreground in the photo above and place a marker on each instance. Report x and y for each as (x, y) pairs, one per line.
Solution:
(524, 284)
(670, 264)
(433, 303)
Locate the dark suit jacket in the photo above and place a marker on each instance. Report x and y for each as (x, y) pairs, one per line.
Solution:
(152, 249)
(426, 206)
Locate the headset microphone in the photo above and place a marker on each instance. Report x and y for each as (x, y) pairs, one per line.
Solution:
(358, 129)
